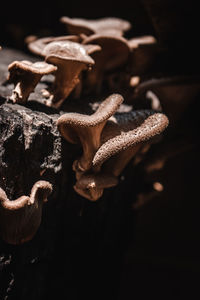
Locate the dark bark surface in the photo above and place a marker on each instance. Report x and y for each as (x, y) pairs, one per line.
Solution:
(105, 249)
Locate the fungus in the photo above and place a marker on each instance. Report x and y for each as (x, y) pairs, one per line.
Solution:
(88, 27)
(75, 128)
(114, 54)
(122, 138)
(25, 75)
(21, 218)
(91, 186)
(70, 58)
(143, 50)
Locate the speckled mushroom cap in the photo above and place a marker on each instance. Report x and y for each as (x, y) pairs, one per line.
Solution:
(126, 130)
(40, 67)
(115, 49)
(37, 45)
(69, 123)
(21, 218)
(88, 27)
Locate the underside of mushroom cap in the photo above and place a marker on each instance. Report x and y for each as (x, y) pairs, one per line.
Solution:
(67, 122)
(128, 130)
(114, 48)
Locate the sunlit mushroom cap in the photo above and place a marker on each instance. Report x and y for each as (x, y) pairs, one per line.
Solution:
(68, 122)
(67, 50)
(78, 25)
(40, 67)
(142, 40)
(37, 45)
(126, 130)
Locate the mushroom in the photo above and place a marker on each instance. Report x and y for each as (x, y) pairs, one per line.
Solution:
(114, 54)
(88, 27)
(37, 46)
(86, 129)
(21, 218)
(122, 138)
(25, 75)
(143, 51)
(70, 58)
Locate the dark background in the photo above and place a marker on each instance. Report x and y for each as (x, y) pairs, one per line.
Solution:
(163, 257)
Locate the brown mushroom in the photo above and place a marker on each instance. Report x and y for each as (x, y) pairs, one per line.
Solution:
(91, 186)
(21, 218)
(114, 54)
(25, 75)
(143, 53)
(70, 58)
(87, 129)
(88, 27)
(122, 138)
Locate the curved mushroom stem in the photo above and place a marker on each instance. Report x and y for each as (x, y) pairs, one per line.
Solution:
(21, 218)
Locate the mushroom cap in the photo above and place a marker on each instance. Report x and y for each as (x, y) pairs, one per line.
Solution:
(68, 121)
(67, 50)
(126, 130)
(78, 25)
(40, 67)
(145, 40)
(37, 46)
(114, 48)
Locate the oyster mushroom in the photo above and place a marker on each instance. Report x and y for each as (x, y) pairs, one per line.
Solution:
(87, 129)
(21, 218)
(88, 27)
(114, 54)
(122, 138)
(25, 75)
(143, 51)
(70, 58)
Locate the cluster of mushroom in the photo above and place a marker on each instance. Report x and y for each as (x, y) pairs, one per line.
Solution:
(92, 53)
(109, 140)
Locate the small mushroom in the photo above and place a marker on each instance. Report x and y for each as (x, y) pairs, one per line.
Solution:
(25, 75)
(70, 58)
(37, 45)
(87, 129)
(91, 186)
(114, 54)
(88, 27)
(21, 218)
(143, 53)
